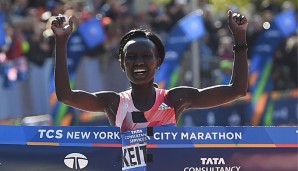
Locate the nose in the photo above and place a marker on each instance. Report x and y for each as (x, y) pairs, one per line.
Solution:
(139, 60)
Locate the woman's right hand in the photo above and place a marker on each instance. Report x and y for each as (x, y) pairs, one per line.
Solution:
(61, 29)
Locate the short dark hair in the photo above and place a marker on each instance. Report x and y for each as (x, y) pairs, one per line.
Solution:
(136, 33)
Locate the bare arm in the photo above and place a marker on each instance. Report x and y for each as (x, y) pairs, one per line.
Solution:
(82, 100)
(188, 97)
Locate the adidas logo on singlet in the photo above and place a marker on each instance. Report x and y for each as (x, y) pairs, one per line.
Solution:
(163, 106)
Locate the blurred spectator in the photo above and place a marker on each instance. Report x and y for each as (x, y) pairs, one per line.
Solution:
(206, 58)
(291, 55)
(284, 71)
(225, 48)
(19, 7)
(175, 10)
(41, 43)
(254, 29)
(212, 26)
(55, 7)
(223, 74)
(272, 5)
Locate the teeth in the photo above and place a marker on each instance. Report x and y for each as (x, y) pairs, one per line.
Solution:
(139, 70)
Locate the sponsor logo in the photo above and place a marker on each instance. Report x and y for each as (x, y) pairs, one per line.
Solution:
(212, 164)
(163, 106)
(76, 161)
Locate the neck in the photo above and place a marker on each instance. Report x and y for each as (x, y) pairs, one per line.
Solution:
(143, 96)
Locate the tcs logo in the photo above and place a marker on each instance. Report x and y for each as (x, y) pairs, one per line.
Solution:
(76, 161)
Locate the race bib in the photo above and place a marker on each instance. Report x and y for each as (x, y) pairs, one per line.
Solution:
(134, 151)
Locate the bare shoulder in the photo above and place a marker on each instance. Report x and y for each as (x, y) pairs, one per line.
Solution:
(182, 91)
(181, 95)
(108, 97)
(110, 101)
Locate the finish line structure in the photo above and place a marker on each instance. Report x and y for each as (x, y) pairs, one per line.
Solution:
(155, 148)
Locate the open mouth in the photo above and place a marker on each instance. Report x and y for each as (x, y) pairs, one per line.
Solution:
(139, 71)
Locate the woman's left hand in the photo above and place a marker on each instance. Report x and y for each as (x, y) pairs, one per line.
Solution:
(237, 23)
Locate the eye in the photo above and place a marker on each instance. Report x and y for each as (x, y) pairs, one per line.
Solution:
(148, 55)
(130, 56)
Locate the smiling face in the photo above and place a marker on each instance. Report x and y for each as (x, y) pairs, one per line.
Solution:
(140, 60)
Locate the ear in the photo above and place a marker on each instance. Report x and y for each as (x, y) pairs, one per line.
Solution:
(158, 62)
(121, 64)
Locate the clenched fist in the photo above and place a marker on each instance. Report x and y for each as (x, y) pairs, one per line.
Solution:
(61, 28)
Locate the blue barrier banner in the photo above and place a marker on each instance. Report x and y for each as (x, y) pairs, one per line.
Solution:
(48, 148)
(58, 158)
(61, 136)
(196, 137)
(44, 148)
(223, 149)
(223, 159)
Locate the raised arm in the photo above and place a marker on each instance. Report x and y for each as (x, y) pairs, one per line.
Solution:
(102, 101)
(189, 97)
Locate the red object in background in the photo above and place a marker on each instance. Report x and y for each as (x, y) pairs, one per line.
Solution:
(85, 16)
(15, 50)
(106, 21)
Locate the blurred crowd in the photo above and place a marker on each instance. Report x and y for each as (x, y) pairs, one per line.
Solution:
(29, 37)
